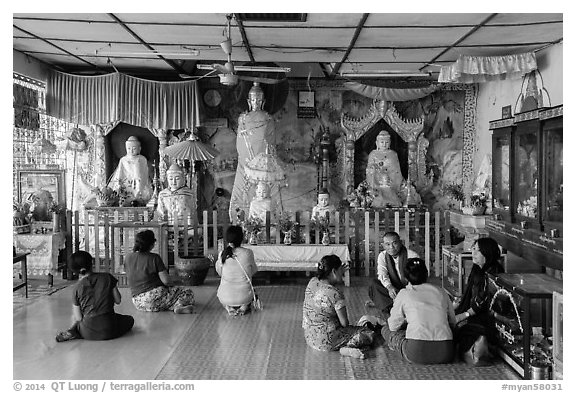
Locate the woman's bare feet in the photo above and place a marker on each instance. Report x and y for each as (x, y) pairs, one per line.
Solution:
(184, 309)
(352, 352)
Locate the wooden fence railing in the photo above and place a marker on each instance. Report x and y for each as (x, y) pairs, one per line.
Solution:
(108, 234)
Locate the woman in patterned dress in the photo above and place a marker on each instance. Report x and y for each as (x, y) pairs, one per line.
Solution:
(149, 281)
(325, 320)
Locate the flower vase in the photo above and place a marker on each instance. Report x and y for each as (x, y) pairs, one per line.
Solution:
(253, 238)
(326, 238)
(288, 238)
(55, 222)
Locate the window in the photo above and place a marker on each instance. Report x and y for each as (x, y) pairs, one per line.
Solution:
(35, 134)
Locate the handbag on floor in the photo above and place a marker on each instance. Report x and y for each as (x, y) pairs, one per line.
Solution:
(256, 302)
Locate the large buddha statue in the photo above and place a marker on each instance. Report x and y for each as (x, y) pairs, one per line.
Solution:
(255, 132)
(177, 200)
(323, 205)
(132, 172)
(262, 203)
(383, 172)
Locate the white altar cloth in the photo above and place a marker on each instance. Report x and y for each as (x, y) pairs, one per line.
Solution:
(299, 257)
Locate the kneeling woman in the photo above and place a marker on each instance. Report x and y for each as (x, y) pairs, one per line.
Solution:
(236, 266)
(149, 281)
(93, 309)
(419, 325)
(325, 320)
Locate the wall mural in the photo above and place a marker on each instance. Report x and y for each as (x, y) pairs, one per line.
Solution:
(443, 114)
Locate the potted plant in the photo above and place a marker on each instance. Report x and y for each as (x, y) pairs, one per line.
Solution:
(456, 193)
(477, 205)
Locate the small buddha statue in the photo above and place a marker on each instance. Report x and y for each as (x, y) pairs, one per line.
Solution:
(384, 161)
(262, 202)
(177, 200)
(323, 205)
(132, 172)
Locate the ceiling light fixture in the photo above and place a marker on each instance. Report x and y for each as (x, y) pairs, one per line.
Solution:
(247, 68)
(385, 74)
(185, 53)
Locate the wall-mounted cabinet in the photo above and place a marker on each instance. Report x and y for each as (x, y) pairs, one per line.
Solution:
(527, 184)
(501, 167)
(527, 163)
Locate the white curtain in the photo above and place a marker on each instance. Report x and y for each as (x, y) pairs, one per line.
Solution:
(476, 69)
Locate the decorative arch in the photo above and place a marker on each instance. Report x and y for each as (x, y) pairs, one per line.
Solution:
(409, 130)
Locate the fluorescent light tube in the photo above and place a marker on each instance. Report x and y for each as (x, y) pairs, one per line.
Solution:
(247, 68)
(385, 74)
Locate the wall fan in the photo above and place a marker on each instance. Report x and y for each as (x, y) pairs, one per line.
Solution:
(228, 72)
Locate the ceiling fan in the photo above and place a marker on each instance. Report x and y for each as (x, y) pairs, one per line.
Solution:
(228, 72)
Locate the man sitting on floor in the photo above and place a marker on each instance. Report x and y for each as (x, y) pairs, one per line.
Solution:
(390, 274)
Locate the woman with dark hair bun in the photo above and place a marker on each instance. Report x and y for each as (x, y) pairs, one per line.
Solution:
(476, 326)
(149, 281)
(236, 266)
(325, 320)
(93, 306)
(420, 321)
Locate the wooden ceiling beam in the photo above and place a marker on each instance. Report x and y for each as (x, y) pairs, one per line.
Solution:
(171, 63)
(351, 45)
(245, 38)
(472, 31)
(57, 47)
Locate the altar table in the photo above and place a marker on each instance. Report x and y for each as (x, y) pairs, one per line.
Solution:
(43, 251)
(297, 257)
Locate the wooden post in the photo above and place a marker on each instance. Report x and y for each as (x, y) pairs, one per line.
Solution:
(367, 243)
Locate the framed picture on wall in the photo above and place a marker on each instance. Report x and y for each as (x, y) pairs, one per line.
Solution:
(306, 104)
(45, 184)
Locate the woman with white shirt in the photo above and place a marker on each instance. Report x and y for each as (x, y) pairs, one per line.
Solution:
(419, 324)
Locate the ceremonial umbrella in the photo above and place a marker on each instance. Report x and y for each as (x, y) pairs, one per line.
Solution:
(266, 168)
(192, 149)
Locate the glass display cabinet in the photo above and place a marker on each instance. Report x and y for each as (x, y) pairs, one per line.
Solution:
(558, 334)
(526, 170)
(522, 309)
(552, 175)
(501, 166)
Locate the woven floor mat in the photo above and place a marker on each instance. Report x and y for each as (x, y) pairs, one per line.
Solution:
(270, 345)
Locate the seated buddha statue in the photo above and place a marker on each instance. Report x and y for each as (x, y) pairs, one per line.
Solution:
(262, 203)
(383, 170)
(323, 205)
(177, 200)
(132, 172)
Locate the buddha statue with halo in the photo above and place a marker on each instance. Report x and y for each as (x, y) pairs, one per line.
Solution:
(131, 175)
(383, 173)
(177, 200)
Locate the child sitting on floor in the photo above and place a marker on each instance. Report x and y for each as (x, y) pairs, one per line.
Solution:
(93, 304)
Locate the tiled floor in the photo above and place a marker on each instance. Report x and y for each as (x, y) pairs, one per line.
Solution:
(210, 345)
